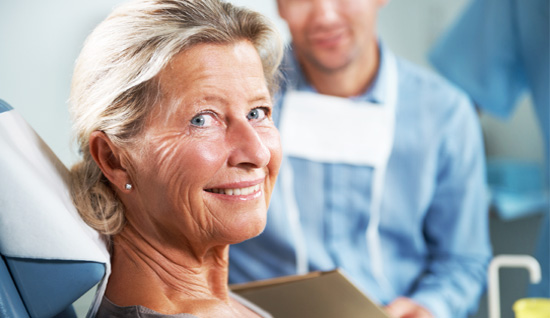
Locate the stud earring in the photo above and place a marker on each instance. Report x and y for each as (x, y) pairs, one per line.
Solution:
(128, 186)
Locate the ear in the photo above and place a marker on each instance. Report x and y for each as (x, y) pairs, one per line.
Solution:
(108, 157)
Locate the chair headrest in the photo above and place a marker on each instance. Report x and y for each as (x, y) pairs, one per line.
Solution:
(4, 107)
(51, 253)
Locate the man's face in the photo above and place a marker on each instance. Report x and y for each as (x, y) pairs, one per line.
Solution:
(330, 34)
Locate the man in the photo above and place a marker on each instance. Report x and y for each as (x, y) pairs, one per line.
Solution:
(383, 175)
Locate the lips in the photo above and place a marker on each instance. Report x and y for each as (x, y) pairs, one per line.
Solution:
(235, 191)
(327, 39)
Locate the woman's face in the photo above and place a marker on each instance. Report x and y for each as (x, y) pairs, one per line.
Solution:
(209, 153)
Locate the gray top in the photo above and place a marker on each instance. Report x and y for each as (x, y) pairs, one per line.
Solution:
(110, 310)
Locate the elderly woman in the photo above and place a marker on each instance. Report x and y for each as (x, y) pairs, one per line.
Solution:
(171, 103)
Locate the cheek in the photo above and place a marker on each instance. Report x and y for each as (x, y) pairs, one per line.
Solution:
(165, 150)
(211, 153)
(272, 141)
(361, 13)
(296, 19)
(181, 160)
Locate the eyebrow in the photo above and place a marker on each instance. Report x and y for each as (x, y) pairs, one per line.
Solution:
(261, 98)
(221, 99)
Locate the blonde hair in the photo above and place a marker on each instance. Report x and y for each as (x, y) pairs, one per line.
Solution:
(114, 86)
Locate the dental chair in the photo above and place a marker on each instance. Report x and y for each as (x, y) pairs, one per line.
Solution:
(48, 257)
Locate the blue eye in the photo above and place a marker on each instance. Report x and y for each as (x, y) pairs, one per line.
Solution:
(202, 120)
(257, 114)
(198, 120)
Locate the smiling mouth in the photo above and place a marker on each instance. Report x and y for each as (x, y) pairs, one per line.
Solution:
(328, 39)
(235, 191)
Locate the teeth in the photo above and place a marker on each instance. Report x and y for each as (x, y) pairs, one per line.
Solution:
(238, 191)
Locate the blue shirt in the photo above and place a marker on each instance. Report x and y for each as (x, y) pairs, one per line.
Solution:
(496, 51)
(434, 225)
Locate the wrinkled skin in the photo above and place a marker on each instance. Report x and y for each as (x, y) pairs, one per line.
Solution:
(202, 172)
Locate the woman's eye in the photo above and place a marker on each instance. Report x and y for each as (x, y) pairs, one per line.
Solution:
(202, 120)
(257, 113)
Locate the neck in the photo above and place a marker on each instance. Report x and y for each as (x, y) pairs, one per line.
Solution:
(351, 80)
(165, 279)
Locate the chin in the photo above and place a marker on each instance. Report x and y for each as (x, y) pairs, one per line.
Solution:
(329, 61)
(248, 228)
(334, 63)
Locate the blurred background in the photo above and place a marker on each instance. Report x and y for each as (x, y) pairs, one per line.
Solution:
(40, 40)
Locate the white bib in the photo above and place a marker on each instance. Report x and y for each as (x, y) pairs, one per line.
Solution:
(331, 129)
(336, 130)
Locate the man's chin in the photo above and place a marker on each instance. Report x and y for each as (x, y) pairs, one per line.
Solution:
(331, 63)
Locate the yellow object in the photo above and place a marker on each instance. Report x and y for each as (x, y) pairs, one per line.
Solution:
(532, 308)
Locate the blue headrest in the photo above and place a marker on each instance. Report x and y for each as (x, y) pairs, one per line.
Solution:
(4, 107)
(11, 304)
(47, 287)
(36, 286)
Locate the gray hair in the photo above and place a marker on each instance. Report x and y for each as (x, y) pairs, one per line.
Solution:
(114, 83)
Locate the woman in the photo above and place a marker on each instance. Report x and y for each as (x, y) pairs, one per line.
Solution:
(171, 102)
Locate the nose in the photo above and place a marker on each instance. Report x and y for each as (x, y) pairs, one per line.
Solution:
(325, 12)
(248, 149)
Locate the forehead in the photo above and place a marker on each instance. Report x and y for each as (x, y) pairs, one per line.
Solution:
(226, 74)
(211, 64)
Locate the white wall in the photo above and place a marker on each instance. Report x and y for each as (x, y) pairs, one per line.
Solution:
(39, 42)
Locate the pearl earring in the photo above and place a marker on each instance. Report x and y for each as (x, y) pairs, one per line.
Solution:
(128, 186)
